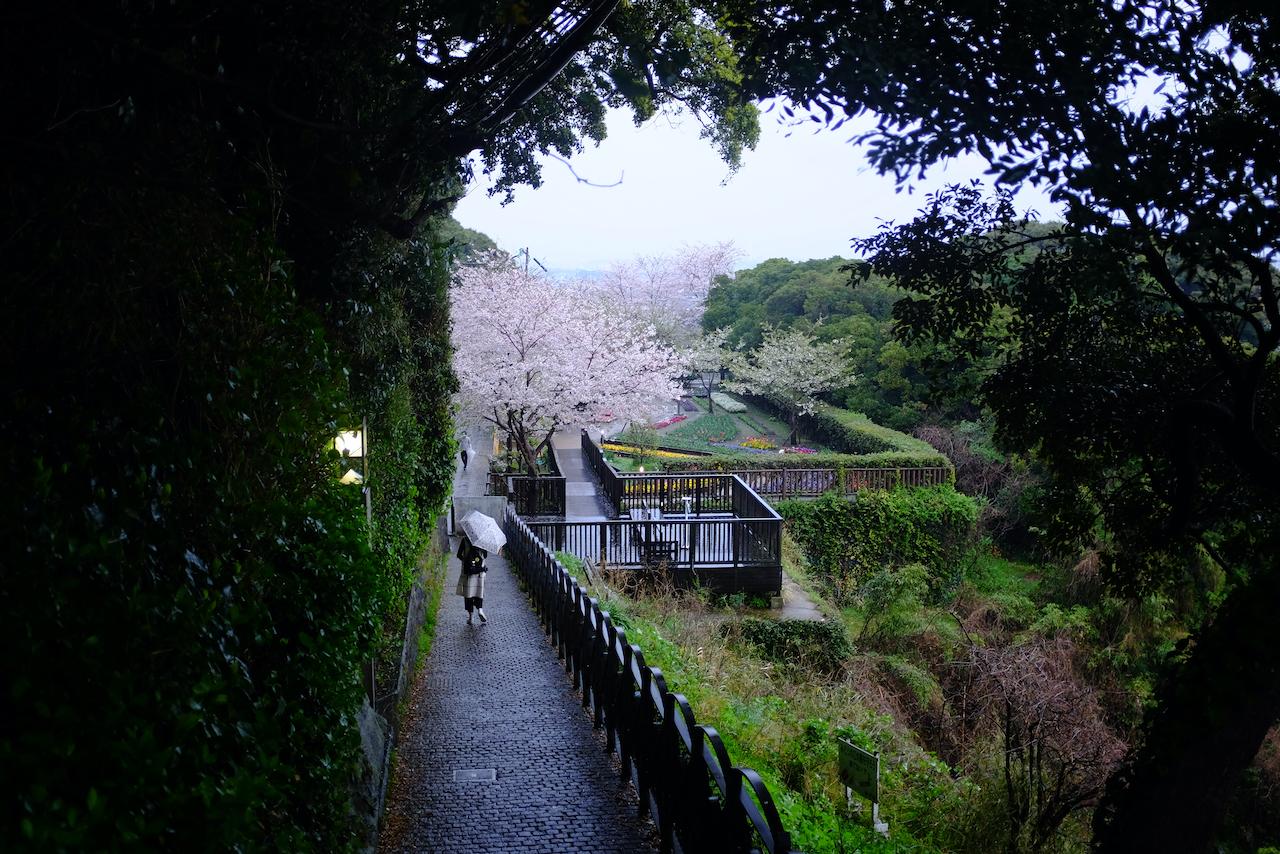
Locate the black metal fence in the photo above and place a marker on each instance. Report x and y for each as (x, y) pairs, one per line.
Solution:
(533, 496)
(538, 496)
(631, 489)
(810, 483)
(727, 542)
(699, 800)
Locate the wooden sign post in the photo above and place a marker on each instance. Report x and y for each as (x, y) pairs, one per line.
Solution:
(860, 772)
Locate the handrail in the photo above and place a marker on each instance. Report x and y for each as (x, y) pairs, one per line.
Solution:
(681, 769)
(538, 496)
(782, 482)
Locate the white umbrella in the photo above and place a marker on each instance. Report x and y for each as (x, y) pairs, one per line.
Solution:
(483, 531)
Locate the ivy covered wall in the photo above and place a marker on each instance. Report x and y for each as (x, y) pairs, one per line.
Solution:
(846, 540)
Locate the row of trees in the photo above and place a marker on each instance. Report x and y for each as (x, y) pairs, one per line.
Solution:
(534, 355)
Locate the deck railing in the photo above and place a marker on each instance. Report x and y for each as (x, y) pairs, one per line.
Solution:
(538, 496)
(533, 496)
(778, 483)
(683, 544)
(681, 769)
(610, 481)
(810, 483)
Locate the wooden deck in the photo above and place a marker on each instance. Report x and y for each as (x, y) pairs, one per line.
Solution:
(722, 553)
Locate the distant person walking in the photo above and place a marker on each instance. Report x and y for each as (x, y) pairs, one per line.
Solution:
(465, 449)
(471, 578)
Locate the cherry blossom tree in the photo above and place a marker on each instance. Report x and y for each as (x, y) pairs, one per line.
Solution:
(534, 355)
(704, 357)
(668, 292)
(791, 368)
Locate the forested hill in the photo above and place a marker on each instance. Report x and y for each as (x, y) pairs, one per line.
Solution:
(900, 385)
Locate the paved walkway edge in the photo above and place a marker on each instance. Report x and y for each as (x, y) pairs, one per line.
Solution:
(493, 702)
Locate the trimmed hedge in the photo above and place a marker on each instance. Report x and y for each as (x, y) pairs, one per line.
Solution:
(859, 443)
(848, 540)
(855, 433)
(735, 461)
(727, 403)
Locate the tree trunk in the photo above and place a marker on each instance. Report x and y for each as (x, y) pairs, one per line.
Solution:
(527, 452)
(794, 423)
(1208, 726)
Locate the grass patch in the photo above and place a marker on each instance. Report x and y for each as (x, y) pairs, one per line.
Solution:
(434, 589)
(783, 724)
(760, 422)
(993, 575)
(574, 565)
(704, 430)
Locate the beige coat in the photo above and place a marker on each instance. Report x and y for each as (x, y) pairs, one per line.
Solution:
(470, 585)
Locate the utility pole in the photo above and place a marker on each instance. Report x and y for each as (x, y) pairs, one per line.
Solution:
(527, 256)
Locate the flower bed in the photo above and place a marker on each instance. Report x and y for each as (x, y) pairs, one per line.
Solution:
(620, 448)
(728, 404)
(667, 422)
(708, 428)
(758, 443)
(735, 447)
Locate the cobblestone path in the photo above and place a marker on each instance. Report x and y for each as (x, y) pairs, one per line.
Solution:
(496, 697)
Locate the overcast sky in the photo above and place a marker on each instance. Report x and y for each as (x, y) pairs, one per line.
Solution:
(797, 196)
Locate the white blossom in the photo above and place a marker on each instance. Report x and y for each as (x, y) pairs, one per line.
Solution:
(534, 355)
(791, 368)
(669, 293)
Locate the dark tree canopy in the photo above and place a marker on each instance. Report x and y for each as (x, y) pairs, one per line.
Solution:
(222, 243)
(1142, 367)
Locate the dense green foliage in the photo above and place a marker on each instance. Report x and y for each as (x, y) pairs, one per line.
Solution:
(822, 646)
(186, 572)
(898, 384)
(1140, 365)
(159, 594)
(846, 540)
(465, 243)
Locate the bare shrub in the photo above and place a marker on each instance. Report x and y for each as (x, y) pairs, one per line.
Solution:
(1084, 582)
(1052, 749)
(997, 479)
(976, 474)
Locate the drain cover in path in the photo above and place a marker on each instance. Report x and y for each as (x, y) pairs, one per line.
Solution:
(475, 775)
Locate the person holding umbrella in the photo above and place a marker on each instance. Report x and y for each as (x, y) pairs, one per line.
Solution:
(481, 534)
(471, 579)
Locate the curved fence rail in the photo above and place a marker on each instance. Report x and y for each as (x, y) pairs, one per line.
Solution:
(624, 489)
(699, 800)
